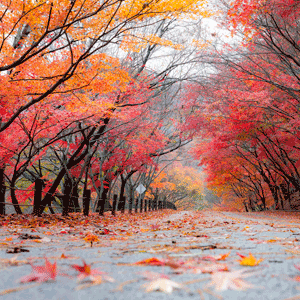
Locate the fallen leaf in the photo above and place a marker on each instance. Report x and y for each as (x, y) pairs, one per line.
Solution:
(217, 257)
(41, 273)
(155, 227)
(223, 281)
(163, 285)
(249, 260)
(149, 275)
(45, 240)
(86, 273)
(91, 238)
(96, 281)
(13, 261)
(210, 268)
(153, 261)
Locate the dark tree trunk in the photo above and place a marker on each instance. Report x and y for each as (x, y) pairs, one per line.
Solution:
(74, 199)
(164, 203)
(281, 199)
(122, 199)
(123, 204)
(14, 199)
(251, 204)
(114, 206)
(51, 209)
(130, 203)
(275, 196)
(39, 184)
(67, 195)
(2, 191)
(86, 202)
(102, 202)
(285, 190)
(155, 202)
(81, 152)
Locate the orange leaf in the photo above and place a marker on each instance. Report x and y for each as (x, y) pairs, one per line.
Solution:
(153, 261)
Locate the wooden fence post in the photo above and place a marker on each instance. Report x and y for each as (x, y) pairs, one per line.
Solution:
(86, 202)
(141, 205)
(136, 205)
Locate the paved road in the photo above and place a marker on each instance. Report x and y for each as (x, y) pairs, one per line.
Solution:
(187, 242)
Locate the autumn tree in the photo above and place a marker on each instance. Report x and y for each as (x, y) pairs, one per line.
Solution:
(58, 61)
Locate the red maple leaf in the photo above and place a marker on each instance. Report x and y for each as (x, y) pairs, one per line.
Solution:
(41, 273)
(86, 271)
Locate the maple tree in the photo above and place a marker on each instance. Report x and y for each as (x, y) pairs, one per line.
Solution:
(60, 73)
(246, 114)
(60, 38)
(135, 147)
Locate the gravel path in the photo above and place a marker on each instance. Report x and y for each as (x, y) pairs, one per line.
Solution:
(185, 241)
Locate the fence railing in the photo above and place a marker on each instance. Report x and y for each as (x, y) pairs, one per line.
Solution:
(65, 207)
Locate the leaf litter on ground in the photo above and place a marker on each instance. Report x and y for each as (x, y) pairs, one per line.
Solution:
(201, 263)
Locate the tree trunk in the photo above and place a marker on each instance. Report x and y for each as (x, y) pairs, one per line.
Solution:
(285, 191)
(121, 205)
(114, 206)
(14, 199)
(2, 191)
(37, 197)
(130, 203)
(66, 196)
(86, 202)
(81, 152)
(164, 203)
(74, 199)
(275, 196)
(102, 202)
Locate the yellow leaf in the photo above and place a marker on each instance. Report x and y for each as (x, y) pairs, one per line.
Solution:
(250, 261)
